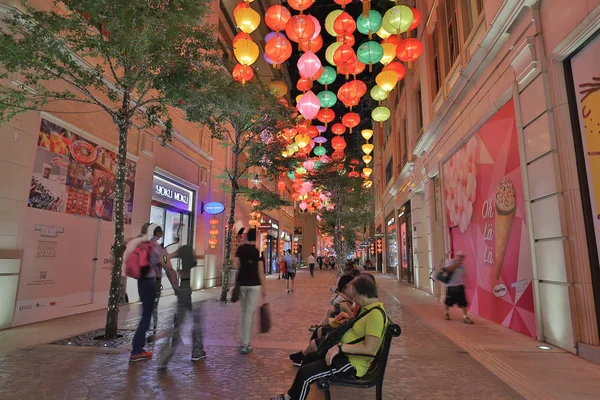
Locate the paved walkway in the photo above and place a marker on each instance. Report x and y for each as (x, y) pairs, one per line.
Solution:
(433, 359)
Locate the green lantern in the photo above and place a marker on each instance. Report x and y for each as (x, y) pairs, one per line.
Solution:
(291, 175)
(328, 76)
(369, 24)
(378, 94)
(397, 19)
(327, 98)
(301, 170)
(369, 53)
(381, 114)
(319, 151)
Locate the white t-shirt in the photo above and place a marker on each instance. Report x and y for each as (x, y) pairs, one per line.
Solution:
(458, 276)
(311, 260)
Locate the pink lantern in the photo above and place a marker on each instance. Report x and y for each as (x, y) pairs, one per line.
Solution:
(307, 184)
(309, 105)
(317, 27)
(303, 192)
(309, 165)
(309, 64)
(303, 205)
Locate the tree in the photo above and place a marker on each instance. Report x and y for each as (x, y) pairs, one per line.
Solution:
(350, 208)
(130, 59)
(246, 120)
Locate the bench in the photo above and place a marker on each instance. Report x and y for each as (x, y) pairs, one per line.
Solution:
(376, 373)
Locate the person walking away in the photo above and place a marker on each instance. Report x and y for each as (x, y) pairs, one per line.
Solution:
(129, 248)
(147, 290)
(311, 261)
(326, 262)
(184, 308)
(250, 277)
(280, 267)
(455, 287)
(290, 271)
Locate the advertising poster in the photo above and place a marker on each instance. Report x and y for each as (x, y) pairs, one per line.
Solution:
(485, 209)
(75, 176)
(586, 80)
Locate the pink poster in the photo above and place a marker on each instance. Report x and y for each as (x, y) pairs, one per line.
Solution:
(485, 210)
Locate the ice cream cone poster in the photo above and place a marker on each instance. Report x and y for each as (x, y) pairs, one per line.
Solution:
(485, 212)
(586, 81)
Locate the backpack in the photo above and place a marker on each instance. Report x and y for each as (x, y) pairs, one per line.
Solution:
(138, 262)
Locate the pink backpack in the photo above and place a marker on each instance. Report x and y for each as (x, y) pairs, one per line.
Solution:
(138, 262)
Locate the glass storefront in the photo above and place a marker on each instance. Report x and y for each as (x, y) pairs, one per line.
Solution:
(392, 247)
(406, 261)
(269, 231)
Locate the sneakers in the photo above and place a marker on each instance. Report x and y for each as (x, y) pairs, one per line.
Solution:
(246, 349)
(297, 358)
(199, 355)
(467, 320)
(144, 355)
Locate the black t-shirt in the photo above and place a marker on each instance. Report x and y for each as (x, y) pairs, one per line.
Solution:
(248, 273)
(188, 259)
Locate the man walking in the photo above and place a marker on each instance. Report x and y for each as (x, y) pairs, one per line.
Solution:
(290, 271)
(129, 248)
(311, 261)
(455, 288)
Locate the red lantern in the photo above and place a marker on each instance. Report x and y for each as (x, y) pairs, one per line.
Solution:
(313, 45)
(242, 73)
(344, 25)
(277, 17)
(241, 5)
(304, 85)
(348, 94)
(278, 49)
(313, 132)
(281, 185)
(416, 19)
(338, 143)
(351, 120)
(353, 174)
(409, 50)
(338, 155)
(347, 69)
(338, 129)
(343, 2)
(297, 185)
(349, 40)
(360, 67)
(326, 115)
(300, 27)
(397, 68)
(361, 87)
(300, 5)
(241, 36)
(295, 195)
(393, 40)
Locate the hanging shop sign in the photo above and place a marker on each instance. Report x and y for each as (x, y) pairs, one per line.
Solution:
(286, 236)
(214, 208)
(171, 194)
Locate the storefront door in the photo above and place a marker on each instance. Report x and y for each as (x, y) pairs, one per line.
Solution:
(392, 248)
(406, 260)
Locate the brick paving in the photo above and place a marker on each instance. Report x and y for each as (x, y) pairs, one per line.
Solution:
(423, 363)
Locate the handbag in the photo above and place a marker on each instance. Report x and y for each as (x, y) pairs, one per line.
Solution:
(444, 275)
(235, 293)
(265, 318)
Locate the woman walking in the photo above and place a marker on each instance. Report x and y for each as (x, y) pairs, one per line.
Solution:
(250, 277)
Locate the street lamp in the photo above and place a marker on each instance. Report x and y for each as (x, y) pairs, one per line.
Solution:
(256, 180)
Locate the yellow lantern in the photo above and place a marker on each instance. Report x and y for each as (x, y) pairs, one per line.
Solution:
(298, 98)
(367, 148)
(247, 20)
(367, 159)
(285, 154)
(387, 80)
(389, 53)
(367, 134)
(382, 33)
(330, 50)
(397, 19)
(278, 88)
(367, 184)
(302, 140)
(330, 20)
(367, 171)
(245, 51)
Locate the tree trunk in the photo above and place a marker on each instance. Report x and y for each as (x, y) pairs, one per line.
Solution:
(337, 239)
(123, 121)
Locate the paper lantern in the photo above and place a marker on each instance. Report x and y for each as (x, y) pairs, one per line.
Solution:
(370, 53)
(338, 155)
(343, 54)
(302, 140)
(387, 80)
(367, 171)
(239, 6)
(338, 129)
(416, 19)
(328, 76)
(367, 159)
(343, 2)
(348, 94)
(370, 23)
(301, 5)
(409, 50)
(247, 20)
(309, 105)
(317, 25)
(353, 174)
(382, 33)
(267, 59)
(309, 64)
(319, 150)
(245, 51)
(397, 67)
(351, 120)
(344, 25)
(242, 73)
(279, 49)
(327, 98)
(298, 97)
(291, 175)
(304, 85)
(330, 51)
(300, 27)
(277, 17)
(303, 205)
(325, 115)
(278, 88)
(281, 185)
(389, 53)
(338, 143)
(392, 40)
(313, 45)
(349, 40)
(309, 165)
(397, 19)
(378, 94)
(240, 36)
(380, 114)
(367, 148)
(329, 21)
(367, 134)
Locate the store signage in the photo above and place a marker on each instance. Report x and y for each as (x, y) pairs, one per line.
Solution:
(171, 194)
(286, 236)
(379, 235)
(214, 208)
(391, 221)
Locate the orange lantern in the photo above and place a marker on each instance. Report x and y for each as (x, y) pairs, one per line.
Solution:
(361, 87)
(300, 5)
(304, 85)
(277, 17)
(281, 185)
(416, 19)
(213, 242)
(295, 195)
(239, 7)
(348, 94)
(343, 2)
(360, 67)
(313, 132)
(344, 55)
(392, 40)
(351, 120)
(344, 25)
(397, 68)
(338, 143)
(349, 40)
(240, 36)
(300, 27)
(313, 45)
(338, 155)
(409, 50)
(325, 115)
(242, 73)
(278, 49)
(338, 129)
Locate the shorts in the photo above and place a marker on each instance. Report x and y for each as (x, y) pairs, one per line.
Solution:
(290, 275)
(456, 295)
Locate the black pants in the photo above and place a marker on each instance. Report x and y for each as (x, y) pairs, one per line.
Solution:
(147, 292)
(310, 373)
(311, 267)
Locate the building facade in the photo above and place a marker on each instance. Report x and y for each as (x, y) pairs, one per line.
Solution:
(489, 151)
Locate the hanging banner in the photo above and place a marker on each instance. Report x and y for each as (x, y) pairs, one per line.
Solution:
(485, 210)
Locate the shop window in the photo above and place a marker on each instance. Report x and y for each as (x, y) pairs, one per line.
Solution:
(471, 10)
(451, 36)
(389, 171)
(437, 72)
(404, 143)
(437, 197)
(419, 110)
